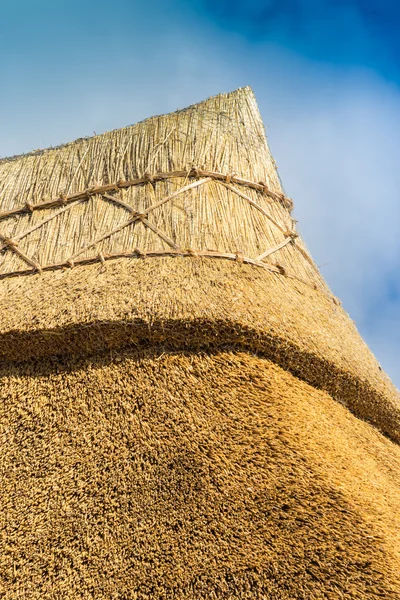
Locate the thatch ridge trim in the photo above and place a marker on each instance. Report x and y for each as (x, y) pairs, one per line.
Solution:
(72, 200)
(222, 140)
(210, 222)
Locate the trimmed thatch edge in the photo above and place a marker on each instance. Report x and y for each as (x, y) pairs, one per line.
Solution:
(85, 138)
(197, 335)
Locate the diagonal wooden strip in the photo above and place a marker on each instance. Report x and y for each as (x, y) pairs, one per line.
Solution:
(177, 193)
(103, 237)
(253, 203)
(12, 245)
(26, 258)
(20, 236)
(264, 212)
(60, 212)
(159, 233)
(137, 216)
(270, 251)
(119, 202)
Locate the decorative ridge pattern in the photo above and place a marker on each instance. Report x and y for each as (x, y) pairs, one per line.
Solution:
(202, 177)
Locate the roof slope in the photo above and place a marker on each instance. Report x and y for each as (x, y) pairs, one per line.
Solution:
(173, 373)
(184, 182)
(146, 233)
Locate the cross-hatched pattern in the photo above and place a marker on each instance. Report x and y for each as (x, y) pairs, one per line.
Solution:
(124, 193)
(201, 214)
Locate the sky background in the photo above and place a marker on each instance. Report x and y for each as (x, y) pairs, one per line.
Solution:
(327, 79)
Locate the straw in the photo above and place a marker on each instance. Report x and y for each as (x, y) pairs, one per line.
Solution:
(186, 410)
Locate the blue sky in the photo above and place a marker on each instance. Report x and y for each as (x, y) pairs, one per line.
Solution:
(327, 78)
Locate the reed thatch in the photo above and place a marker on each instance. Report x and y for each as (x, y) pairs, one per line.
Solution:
(187, 411)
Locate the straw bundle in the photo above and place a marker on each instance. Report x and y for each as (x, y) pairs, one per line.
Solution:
(177, 378)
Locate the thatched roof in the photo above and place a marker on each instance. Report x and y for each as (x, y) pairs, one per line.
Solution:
(178, 378)
(173, 184)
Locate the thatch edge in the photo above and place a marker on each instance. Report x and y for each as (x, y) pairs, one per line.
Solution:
(85, 339)
(198, 305)
(39, 151)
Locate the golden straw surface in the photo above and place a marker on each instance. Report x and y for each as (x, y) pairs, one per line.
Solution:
(186, 410)
(81, 199)
(147, 475)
